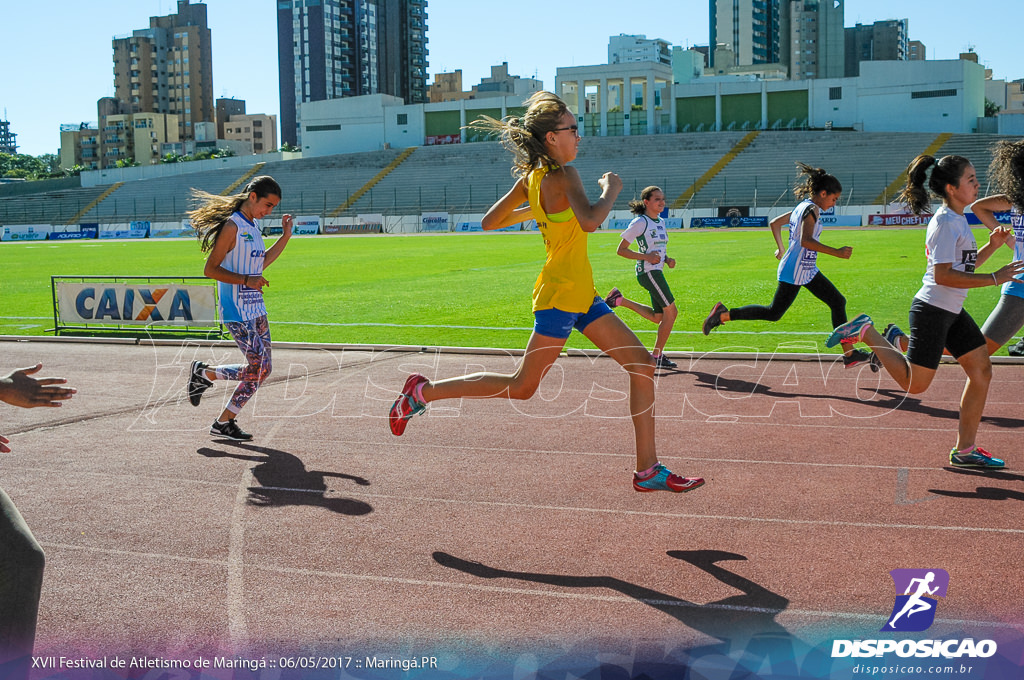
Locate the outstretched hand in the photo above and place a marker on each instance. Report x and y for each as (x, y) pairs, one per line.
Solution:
(1009, 271)
(19, 388)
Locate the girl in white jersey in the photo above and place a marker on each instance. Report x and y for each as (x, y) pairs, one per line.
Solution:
(938, 320)
(1007, 173)
(228, 228)
(651, 237)
(798, 266)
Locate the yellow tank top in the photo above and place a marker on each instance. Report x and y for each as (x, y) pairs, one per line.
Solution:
(566, 281)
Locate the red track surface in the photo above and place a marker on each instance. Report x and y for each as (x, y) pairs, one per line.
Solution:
(504, 526)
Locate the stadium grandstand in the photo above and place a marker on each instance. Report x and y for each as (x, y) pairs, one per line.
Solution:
(696, 171)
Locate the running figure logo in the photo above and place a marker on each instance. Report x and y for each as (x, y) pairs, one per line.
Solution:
(915, 607)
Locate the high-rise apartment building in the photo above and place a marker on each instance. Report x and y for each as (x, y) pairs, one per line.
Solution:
(814, 44)
(916, 50)
(880, 41)
(749, 29)
(625, 49)
(805, 36)
(344, 48)
(168, 68)
(258, 131)
(227, 107)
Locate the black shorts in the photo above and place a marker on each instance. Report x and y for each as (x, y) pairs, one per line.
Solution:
(933, 329)
(655, 284)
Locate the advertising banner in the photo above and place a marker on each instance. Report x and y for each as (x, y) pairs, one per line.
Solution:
(434, 221)
(25, 232)
(67, 232)
(1001, 218)
(736, 221)
(306, 224)
(139, 304)
(371, 222)
(477, 226)
(139, 229)
(902, 220)
(434, 140)
(171, 230)
(829, 218)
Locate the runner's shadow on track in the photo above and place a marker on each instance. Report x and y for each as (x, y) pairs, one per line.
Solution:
(890, 399)
(914, 405)
(985, 493)
(284, 480)
(742, 622)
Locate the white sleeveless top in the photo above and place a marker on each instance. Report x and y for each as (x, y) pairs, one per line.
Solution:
(239, 302)
(799, 265)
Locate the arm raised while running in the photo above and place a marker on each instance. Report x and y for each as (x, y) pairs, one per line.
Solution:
(776, 226)
(224, 244)
(214, 268)
(279, 244)
(565, 186)
(984, 208)
(945, 275)
(810, 243)
(509, 209)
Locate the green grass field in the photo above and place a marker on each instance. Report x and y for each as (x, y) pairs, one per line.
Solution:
(475, 289)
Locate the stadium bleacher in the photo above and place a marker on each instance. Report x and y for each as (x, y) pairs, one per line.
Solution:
(466, 179)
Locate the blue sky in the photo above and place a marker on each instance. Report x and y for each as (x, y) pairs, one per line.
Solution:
(65, 45)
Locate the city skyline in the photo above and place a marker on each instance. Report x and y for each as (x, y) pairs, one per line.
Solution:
(73, 56)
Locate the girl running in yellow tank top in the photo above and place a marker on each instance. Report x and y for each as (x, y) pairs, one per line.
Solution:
(544, 141)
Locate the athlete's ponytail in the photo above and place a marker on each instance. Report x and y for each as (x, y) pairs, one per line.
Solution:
(946, 171)
(524, 135)
(815, 180)
(212, 211)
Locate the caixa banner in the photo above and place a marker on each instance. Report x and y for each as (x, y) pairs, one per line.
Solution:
(88, 303)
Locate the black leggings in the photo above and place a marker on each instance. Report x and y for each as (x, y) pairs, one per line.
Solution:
(820, 287)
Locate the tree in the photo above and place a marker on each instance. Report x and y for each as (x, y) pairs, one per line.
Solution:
(51, 162)
(22, 165)
(991, 108)
(288, 147)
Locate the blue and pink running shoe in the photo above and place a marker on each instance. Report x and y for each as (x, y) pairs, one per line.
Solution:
(851, 331)
(664, 480)
(406, 406)
(976, 458)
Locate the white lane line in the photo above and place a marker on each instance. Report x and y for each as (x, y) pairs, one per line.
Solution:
(371, 446)
(238, 630)
(505, 590)
(686, 515)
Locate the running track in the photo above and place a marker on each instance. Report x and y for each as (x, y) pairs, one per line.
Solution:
(504, 538)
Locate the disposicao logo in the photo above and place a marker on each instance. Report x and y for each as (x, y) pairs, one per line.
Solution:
(914, 611)
(915, 608)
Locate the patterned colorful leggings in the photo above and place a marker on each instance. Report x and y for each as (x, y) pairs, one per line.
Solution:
(253, 338)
